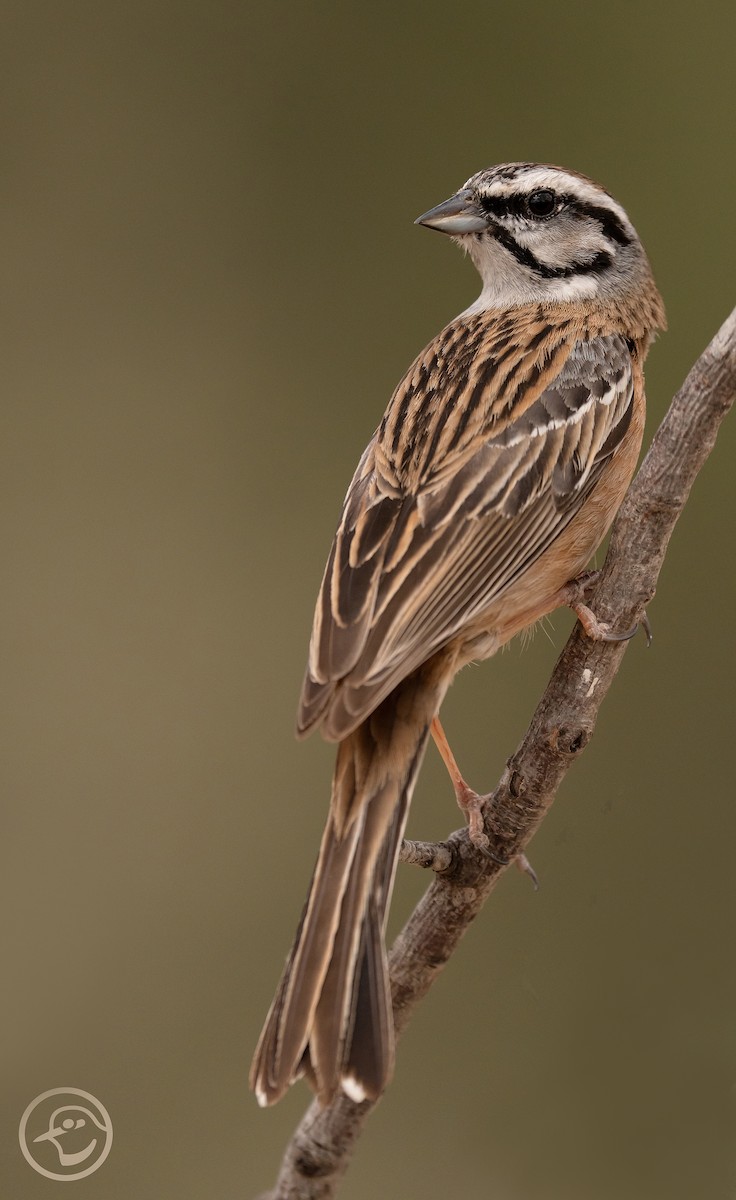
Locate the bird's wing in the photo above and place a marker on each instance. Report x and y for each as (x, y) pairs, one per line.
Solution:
(464, 486)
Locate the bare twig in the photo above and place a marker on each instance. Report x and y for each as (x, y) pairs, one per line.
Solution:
(436, 856)
(320, 1149)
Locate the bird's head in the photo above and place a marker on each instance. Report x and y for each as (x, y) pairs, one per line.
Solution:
(538, 232)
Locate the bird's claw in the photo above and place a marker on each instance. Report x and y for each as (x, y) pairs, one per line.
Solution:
(574, 594)
(524, 865)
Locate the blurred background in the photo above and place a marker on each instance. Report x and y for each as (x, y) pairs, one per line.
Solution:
(210, 285)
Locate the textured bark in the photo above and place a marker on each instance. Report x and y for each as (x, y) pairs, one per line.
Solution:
(563, 724)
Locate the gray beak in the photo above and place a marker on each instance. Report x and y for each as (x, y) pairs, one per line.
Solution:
(460, 214)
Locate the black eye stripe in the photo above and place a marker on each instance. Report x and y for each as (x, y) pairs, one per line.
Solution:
(514, 205)
(501, 206)
(609, 222)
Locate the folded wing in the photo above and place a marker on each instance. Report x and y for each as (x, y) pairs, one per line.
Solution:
(416, 557)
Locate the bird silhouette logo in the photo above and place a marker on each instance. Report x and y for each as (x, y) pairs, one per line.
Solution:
(65, 1140)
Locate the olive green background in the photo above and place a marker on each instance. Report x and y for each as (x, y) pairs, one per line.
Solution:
(210, 283)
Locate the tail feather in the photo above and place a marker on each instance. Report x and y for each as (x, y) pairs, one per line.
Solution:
(368, 1061)
(369, 1058)
(333, 1023)
(283, 1041)
(331, 1016)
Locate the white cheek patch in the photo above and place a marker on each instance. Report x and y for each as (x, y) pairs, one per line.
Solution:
(559, 245)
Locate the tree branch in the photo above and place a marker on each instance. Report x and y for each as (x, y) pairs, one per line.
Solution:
(434, 855)
(321, 1147)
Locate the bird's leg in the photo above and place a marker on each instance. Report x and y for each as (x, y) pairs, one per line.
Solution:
(471, 804)
(572, 595)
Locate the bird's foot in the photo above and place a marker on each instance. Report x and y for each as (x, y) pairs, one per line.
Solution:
(471, 805)
(573, 595)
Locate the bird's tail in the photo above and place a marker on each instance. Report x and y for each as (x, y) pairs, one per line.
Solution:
(331, 1015)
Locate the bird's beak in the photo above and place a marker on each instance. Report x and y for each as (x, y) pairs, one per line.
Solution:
(48, 1135)
(460, 214)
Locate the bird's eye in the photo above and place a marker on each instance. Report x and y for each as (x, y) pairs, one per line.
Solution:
(542, 203)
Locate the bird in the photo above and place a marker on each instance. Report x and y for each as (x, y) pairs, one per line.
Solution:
(491, 480)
